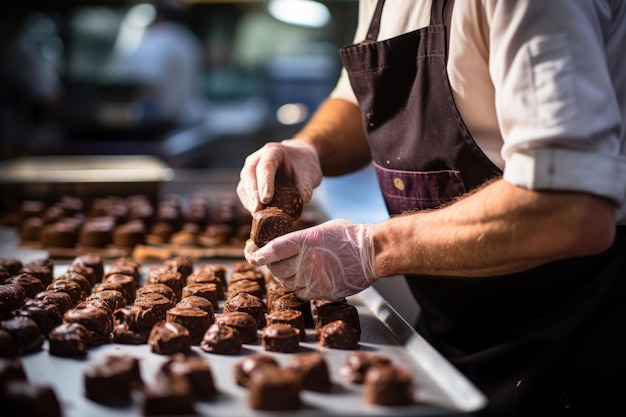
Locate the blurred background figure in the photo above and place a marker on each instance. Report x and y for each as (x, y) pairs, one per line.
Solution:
(155, 50)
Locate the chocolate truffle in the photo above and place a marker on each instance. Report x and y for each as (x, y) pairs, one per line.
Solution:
(31, 284)
(248, 304)
(71, 288)
(288, 199)
(130, 234)
(68, 339)
(97, 320)
(201, 277)
(60, 299)
(132, 325)
(25, 332)
(168, 338)
(198, 302)
(197, 371)
(22, 398)
(244, 369)
(7, 345)
(221, 339)
(47, 316)
(388, 385)
(280, 337)
(291, 301)
(268, 224)
(338, 335)
(159, 303)
(337, 311)
(60, 234)
(274, 389)
(357, 364)
(194, 319)
(206, 290)
(43, 272)
(127, 282)
(111, 379)
(97, 232)
(12, 297)
(162, 289)
(243, 322)
(246, 286)
(313, 370)
(180, 264)
(291, 317)
(168, 394)
(113, 299)
(163, 275)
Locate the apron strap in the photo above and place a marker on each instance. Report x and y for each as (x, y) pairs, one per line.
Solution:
(436, 12)
(372, 32)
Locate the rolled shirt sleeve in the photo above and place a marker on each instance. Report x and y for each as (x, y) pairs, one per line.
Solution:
(557, 101)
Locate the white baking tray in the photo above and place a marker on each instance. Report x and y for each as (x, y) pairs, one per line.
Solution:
(439, 388)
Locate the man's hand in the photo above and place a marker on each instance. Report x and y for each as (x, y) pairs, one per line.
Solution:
(298, 159)
(329, 261)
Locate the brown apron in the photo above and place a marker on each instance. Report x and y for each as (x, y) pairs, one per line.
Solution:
(551, 339)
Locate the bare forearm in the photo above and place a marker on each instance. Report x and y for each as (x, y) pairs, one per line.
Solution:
(337, 133)
(497, 230)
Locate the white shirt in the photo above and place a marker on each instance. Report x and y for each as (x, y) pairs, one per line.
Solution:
(541, 85)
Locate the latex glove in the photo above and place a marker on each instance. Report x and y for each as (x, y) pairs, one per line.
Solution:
(298, 159)
(328, 261)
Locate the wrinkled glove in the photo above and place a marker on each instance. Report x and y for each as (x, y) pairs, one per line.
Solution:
(297, 158)
(329, 261)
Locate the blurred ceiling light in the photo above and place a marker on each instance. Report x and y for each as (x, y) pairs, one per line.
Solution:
(300, 12)
(292, 113)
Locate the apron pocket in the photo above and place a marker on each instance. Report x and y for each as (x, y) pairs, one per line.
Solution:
(412, 190)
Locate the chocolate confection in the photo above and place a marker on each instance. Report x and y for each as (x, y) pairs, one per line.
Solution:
(291, 301)
(30, 229)
(163, 275)
(218, 270)
(68, 339)
(162, 289)
(94, 302)
(125, 265)
(60, 234)
(132, 325)
(4, 274)
(222, 339)
(218, 233)
(93, 261)
(194, 319)
(114, 299)
(244, 369)
(180, 264)
(388, 385)
(243, 322)
(12, 297)
(169, 394)
(274, 389)
(293, 318)
(111, 379)
(248, 304)
(275, 291)
(97, 320)
(80, 279)
(286, 197)
(338, 335)
(11, 369)
(129, 234)
(357, 364)
(127, 282)
(159, 303)
(97, 232)
(246, 286)
(7, 345)
(248, 275)
(197, 371)
(31, 284)
(25, 333)
(202, 303)
(280, 337)
(47, 316)
(202, 277)
(111, 286)
(85, 271)
(47, 262)
(268, 224)
(60, 299)
(161, 232)
(168, 338)
(313, 370)
(71, 288)
(206, 290)
(22, 398)
(337, 311)
(42, 272)
(12, 265)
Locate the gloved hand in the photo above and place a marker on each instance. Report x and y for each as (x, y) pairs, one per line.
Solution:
(256, 180)
(328, 261)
